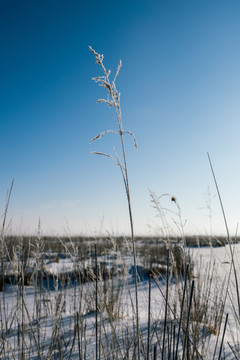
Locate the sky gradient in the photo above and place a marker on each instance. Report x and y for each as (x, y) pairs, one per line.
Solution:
(180, 89)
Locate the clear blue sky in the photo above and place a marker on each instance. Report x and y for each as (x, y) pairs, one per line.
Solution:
(180, 89)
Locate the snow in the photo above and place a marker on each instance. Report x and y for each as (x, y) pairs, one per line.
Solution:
(45, 312)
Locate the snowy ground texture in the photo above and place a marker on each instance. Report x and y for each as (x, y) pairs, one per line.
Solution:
(55, 317)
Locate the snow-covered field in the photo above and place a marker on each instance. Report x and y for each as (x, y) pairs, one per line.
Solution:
(56, 319)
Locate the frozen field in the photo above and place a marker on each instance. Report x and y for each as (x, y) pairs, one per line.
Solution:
(55, 317)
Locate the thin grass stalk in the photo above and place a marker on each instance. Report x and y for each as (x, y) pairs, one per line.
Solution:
(166, 306)
(188, 318)
(188, 348)
(173, 347)
(155, 352)
(171, 340)
(228, 235)
(22, 299)
(124, 173)
(113, 100)
(78, 336)
(116, 339)
(237, 355)
(96, 303)
(2, 331)
(38, 323)
(178, 321)
(222, 311)
(74, 340)
(106, 347)
(11, 350)
(2, 334)
(159, 338)
(100, 337)
(168, 342)
(85, 341)
(230, 247)
(60, 354)
(3, 249)
(34, 337)
(224, 330)
(132, 236)
(181, 312)
(149, 317)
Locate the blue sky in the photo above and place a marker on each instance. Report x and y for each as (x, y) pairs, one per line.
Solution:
(180, 89)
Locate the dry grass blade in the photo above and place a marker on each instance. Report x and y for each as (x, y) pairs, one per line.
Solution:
(117, 72)
(99, 136)
(134, 138)
(101, 153)
(99, 58)
(224, 330)
(235, 353)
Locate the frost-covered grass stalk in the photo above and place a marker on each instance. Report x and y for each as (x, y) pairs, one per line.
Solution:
(113, 100)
